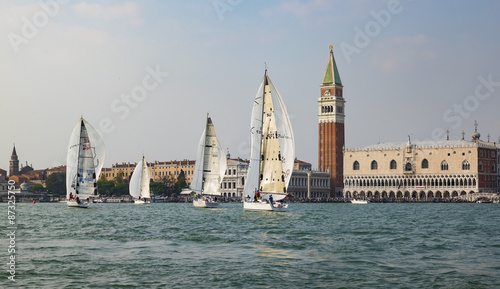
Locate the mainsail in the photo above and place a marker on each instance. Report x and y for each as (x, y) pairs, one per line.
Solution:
(139, 182)
(272, 144)
(210, 164)
(84, 161)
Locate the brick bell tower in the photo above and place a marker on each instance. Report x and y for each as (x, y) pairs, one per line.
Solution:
(331, 127)
(14, 163)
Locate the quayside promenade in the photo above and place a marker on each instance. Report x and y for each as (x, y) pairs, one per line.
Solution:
(474, 198)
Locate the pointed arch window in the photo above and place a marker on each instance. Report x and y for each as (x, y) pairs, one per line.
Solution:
(374, 165)
(394, 165)
(425, 164)
(465, 165)
(444, 166)
(408, 167)
(355, 166)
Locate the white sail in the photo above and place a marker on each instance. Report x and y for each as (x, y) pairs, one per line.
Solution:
(139, 182)
(84, 161)
(272, 144)
(98, 149)
(222, 162)
(197, 182)
(145, 178)
(210, 164)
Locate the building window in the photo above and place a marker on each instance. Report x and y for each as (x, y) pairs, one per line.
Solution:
(425, 164)
(481, 166)
(444, 166)
(493, 167)
(408, 167)
(374, 165)
(465, 165)
(355, 166)
(394, 165)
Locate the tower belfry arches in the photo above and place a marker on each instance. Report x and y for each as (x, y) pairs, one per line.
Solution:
(331, 115)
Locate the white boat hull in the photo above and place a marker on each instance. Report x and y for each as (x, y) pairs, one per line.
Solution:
(264, 206)
(75, 204)
(142, 202)
(203, 204)
(359, 202)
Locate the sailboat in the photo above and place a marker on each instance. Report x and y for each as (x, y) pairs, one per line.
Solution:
(210, 168)
(355, 201)
(139, 183)
(272, 151)
(84, 162)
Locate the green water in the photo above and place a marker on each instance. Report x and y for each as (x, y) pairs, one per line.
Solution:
(174, 245)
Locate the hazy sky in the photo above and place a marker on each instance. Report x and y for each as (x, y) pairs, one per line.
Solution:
(147, 72)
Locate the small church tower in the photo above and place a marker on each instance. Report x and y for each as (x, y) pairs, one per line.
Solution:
(331, 126)
(14, 163)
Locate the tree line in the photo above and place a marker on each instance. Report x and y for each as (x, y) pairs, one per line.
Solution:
(118, 186)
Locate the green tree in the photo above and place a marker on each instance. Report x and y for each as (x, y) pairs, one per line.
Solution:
(56, 184)
(117, 187)
(37, 189)
(119, 178)
(121, 190)
(181, 183)
(169, 182)
(158, 188)
(105, 187)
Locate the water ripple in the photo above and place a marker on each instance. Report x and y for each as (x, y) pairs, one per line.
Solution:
(313, 246)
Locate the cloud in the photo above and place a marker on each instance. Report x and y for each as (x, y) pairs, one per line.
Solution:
(402, 53)
(128, 11)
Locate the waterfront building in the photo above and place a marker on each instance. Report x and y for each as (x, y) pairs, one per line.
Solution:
(20, 190)
(234, 180)
(304, 183)
(4, 186)
(422, 170)
(25, 172)
(331, 126)
(58, 169)
(159, 171)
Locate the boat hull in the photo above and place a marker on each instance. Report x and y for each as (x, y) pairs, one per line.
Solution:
(203, 204)
(359, 202)
(142, 202)
(263, 206)
(75, 204)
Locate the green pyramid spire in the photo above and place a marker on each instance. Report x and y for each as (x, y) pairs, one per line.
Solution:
(332, 75)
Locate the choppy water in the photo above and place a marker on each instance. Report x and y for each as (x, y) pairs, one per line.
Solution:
(172, 245)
